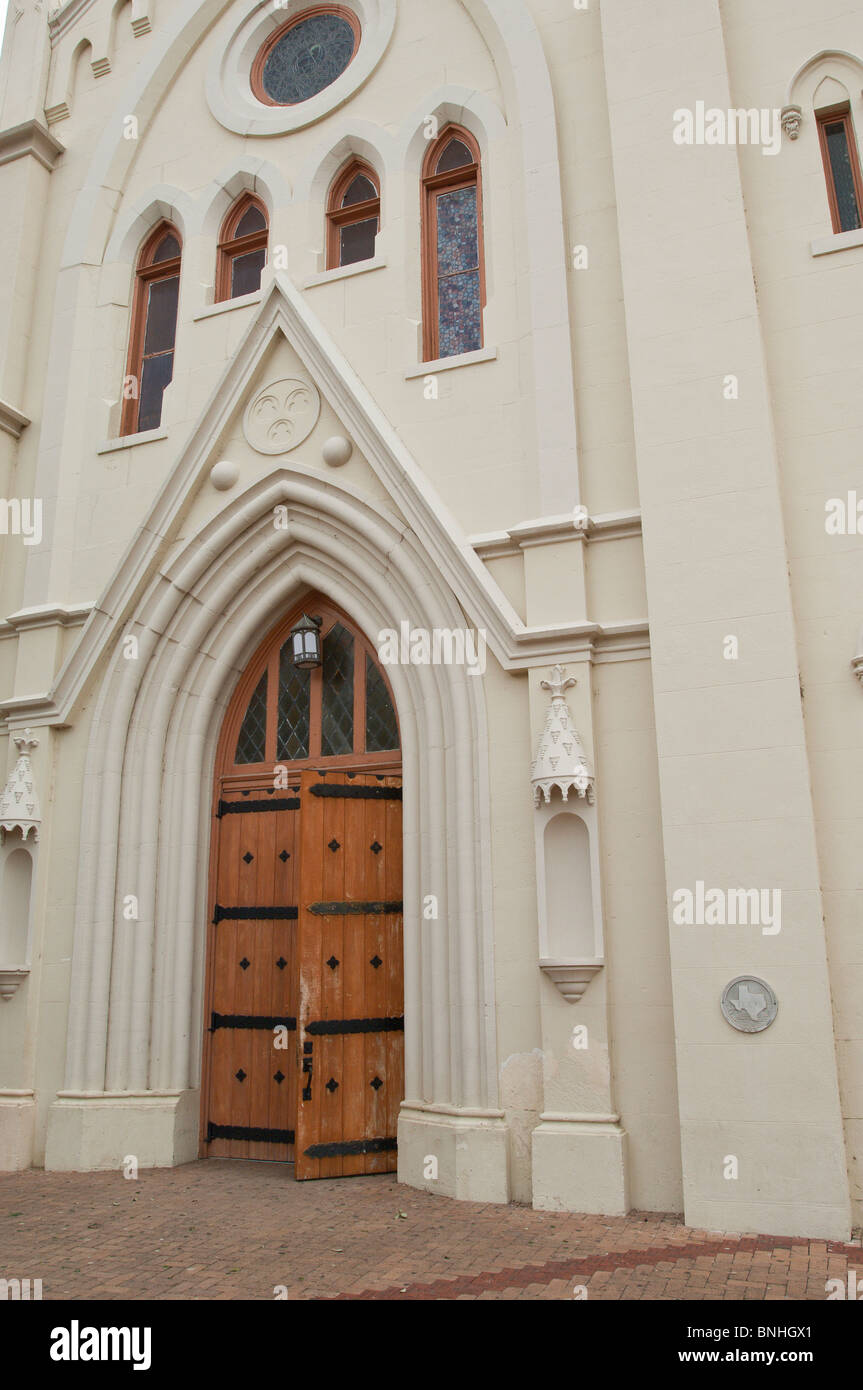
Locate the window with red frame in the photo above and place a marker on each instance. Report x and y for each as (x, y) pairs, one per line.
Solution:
(150, 365)
(453, 261)
(242, 252)
(353, 216)
(841, 167)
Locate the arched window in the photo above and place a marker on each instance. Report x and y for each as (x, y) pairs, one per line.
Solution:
(353, 216)
(341, 714)
(154, 330)
(242, 249)
(453, 269)
(841, 167)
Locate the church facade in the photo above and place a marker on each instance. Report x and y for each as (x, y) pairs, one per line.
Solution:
(430, 576)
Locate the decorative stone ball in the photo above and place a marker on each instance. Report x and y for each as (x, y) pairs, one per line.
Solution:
(224, 475)
(337, 451)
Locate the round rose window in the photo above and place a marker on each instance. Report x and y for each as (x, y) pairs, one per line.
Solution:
(305, 56)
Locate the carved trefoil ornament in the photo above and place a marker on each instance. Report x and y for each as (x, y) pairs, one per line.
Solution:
(561, 760)
(282, 416)
(19, 804)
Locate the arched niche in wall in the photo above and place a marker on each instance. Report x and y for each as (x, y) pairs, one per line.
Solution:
(569, 900)
(20, 821)
(16, 882)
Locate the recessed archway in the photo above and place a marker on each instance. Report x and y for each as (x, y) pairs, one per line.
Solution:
(304, 1038)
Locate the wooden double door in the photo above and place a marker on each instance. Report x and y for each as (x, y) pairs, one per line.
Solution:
(304, 1049)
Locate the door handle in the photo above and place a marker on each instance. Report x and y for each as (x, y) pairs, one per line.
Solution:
(308, 1063)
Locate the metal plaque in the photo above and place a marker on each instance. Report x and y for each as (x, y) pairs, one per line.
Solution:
(749, 1004)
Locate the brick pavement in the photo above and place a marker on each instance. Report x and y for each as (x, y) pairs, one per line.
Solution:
(219, 1230)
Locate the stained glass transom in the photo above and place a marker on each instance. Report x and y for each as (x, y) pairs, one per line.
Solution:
(455, 156)
(310, 56)
(337, 708)
(459, 292)
(382, 730)
(294, 708)
(252, 743)
(252, 220)
(361, 190)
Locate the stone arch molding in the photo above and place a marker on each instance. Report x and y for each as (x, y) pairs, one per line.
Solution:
(198, 606)
(845, 68)
(136, 996)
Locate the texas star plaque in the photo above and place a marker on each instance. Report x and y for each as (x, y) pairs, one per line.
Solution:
(749, 1004)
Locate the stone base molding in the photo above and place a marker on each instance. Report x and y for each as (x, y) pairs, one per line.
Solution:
(99, 1132)
(469, 1149)
(17, 1125)
(579, 1164)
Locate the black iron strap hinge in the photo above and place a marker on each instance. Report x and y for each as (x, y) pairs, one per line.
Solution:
(357, 793)
(354, 909)
(251, 1136)
(327, 1027)
(257, 1024)
(254, 914)
(352, 1147)
(249, 808)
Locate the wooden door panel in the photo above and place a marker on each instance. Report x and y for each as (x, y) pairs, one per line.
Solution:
(351, 990)
(252, 1082)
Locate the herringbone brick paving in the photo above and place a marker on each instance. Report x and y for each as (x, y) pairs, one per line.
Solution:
(219, 1230)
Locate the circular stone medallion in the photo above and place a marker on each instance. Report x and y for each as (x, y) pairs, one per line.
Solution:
(281, 416)
(749, 1004)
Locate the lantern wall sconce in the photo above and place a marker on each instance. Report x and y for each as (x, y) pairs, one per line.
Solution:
(306, 643)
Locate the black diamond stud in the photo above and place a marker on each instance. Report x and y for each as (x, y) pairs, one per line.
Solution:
(333, 963)
(241, 1075)
(376, 962)
(278, 1078)
(376, 848)
(332, 1085)
(376, 1084)
(282, 963)
(248, 857)
(244, 964)
(284, 856)
(334, 845)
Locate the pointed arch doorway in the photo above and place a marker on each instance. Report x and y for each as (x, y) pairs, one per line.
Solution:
(304, 1042)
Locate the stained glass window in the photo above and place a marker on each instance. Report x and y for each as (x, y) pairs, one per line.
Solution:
(452, 247)
(836, 140)
(308, 57)
(382, 730)
(294, 708)
(252, 743)
(459, 296)
(337, 709)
